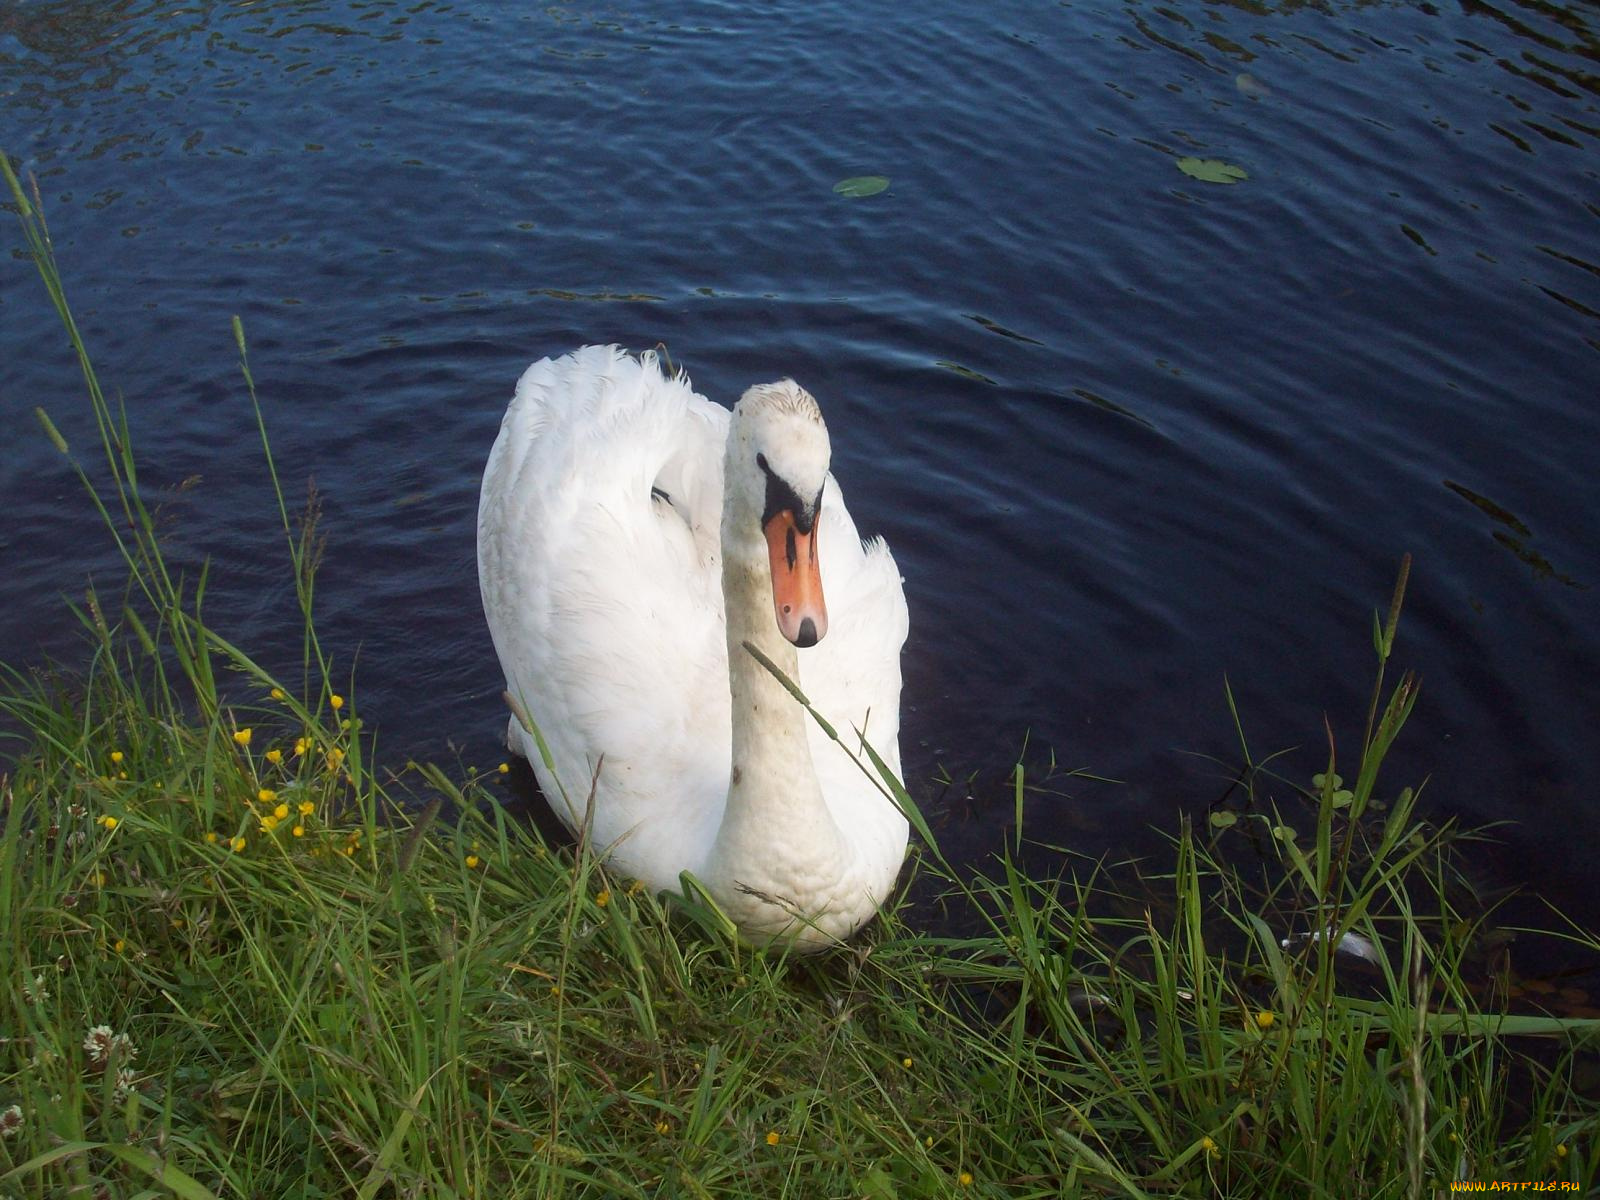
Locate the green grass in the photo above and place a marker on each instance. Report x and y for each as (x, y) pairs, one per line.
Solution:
(360, 999)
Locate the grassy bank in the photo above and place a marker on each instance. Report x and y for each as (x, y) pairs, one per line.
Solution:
(238, 961)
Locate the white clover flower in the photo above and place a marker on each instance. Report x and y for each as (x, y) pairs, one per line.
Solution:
(11, 1121)
(124, 1084)
(35, 992)
(98, 1044)
(103, 1045)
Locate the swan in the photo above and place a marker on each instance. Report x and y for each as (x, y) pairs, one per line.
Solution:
(632, 537)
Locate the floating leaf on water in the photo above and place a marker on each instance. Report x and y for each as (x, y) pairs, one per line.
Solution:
(1212, 170)
(1222, 818)
(996, 327)
(1111, 406)
(1489, 508)
(1418, 239)
(1516, 540)
(1580, 309)
(964, 372)
(858, 186)
(1542, 566)
(562, 294)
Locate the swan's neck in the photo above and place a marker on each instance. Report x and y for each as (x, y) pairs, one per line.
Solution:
(778, 841)
(771, 757)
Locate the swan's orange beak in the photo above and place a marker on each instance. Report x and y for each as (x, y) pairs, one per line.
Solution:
(796, 579)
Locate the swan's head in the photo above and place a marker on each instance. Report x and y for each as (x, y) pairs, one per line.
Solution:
(777, 465)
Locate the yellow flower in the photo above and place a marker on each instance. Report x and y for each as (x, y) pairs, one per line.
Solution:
(1208, 1145)
(1561, 1150)
(1264, 1019)
(236, 844)
(298, 831)
(116, 756)
(266, 795)
(602, 897)
(336, 702)
(636, 887)
(109, 822)
(350, 849)
(307, 808)
(268, 823)
(927, 1142)
(472, 862)
(274, 756)
(242, 736)
(504, 768)
(906, 1063)
(301, 745)
(964, 1179)
(663, 1127)
(773, 1137)
(281, 811)
(118, 946)
(335, 758)
(211, 838)
(277, 694)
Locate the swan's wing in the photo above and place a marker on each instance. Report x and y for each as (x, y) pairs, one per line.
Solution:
(853, 674)
(598, 544)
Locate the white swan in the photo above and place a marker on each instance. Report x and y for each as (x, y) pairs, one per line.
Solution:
(631, 537)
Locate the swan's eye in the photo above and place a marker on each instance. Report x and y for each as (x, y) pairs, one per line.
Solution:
(761, 461)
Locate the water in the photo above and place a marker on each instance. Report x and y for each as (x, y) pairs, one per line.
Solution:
(1130, 433)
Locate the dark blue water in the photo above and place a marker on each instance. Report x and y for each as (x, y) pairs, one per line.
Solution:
(1129, 432)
